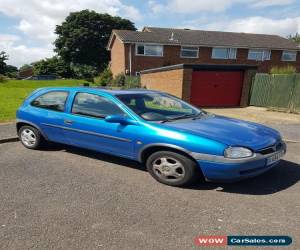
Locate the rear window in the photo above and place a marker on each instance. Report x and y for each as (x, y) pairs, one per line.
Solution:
(54, 100)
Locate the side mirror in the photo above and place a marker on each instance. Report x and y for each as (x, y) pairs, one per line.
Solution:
(123, 120)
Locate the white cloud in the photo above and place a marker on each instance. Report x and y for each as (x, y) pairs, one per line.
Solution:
(155, 7)
(132, 13)
(41, 28)
(7, 40)
(267, 3)
(21, 54)
(258, 24)
(194, 6)
(38, 18)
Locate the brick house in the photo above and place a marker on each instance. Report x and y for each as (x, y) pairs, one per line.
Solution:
(25, 73)
(210, 68)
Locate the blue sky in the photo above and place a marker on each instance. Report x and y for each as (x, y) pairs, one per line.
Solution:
(26, 27)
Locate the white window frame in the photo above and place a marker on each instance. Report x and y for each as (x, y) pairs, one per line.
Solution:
(189, 48)
(263, 52)
(293, 52)
(228, 53)
(148, 44)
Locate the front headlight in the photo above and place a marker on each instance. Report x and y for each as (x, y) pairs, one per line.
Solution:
(237, 152)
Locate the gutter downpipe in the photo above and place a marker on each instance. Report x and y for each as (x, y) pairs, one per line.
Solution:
(130, 59)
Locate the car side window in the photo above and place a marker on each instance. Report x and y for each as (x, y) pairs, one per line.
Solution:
(54, 100)
(95, 106)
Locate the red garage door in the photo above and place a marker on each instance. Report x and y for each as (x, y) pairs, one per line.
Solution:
(216, 88)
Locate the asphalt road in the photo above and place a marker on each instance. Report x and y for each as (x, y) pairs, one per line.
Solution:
(7, 130)
(66, 198)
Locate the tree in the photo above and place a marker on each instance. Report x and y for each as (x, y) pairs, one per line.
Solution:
(3, 58)
(11, 71)
(52, 66)
(84, 71)
(8, 70)
(83, 36)
(25, 67)
(295, 38)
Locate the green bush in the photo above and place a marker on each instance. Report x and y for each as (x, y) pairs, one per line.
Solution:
(12, 75)
(83, 71)
(57, 66)
(119, 80)
(283, 70)
(132, 82)
(105, 78)
(126, 82)
(2, 78)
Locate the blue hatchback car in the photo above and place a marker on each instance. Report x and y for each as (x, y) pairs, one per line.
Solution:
(176, 141)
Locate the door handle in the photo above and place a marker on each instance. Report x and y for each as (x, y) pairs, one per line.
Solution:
(69, 122)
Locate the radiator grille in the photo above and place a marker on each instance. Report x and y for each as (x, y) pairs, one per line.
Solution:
(271, 149)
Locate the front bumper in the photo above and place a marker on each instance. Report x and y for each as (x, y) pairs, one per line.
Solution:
(219, 168)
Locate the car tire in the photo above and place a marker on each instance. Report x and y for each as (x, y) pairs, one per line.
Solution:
(172, 168)
(30, 137)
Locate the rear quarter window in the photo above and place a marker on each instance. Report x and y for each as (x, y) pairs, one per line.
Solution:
(54, 100)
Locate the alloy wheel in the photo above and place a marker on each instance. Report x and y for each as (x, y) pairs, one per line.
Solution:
(168, 168)
(28, 137)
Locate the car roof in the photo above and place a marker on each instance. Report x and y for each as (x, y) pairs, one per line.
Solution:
(104, 90)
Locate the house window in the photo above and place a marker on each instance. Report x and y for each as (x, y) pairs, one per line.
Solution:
(189, 52)
(289, 55)
(224, 53)
(259, 54)
(149, 50)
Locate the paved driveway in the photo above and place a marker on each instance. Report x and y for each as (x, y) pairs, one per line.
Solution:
(66, 198)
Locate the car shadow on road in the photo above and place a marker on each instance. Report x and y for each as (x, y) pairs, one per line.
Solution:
(281, 177)
(98, 156)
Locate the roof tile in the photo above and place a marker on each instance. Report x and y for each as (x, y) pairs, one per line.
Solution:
(172, 36)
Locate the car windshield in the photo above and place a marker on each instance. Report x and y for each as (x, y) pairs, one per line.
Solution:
(159, 106)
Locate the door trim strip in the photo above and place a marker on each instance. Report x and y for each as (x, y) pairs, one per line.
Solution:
(89, 132)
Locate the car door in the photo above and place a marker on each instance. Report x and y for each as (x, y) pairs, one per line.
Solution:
(46, 111)
(85, 125)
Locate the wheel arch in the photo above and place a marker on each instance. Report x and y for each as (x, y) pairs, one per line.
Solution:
(21, 123)
(146, 151)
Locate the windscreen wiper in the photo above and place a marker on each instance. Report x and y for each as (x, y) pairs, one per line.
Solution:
(199, 115)
(180, 117)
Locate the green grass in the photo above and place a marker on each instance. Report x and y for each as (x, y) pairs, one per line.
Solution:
(13, 93)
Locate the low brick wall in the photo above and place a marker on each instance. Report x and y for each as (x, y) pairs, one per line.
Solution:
(176, 82)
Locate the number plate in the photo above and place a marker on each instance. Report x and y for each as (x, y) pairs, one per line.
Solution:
(274, 158)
